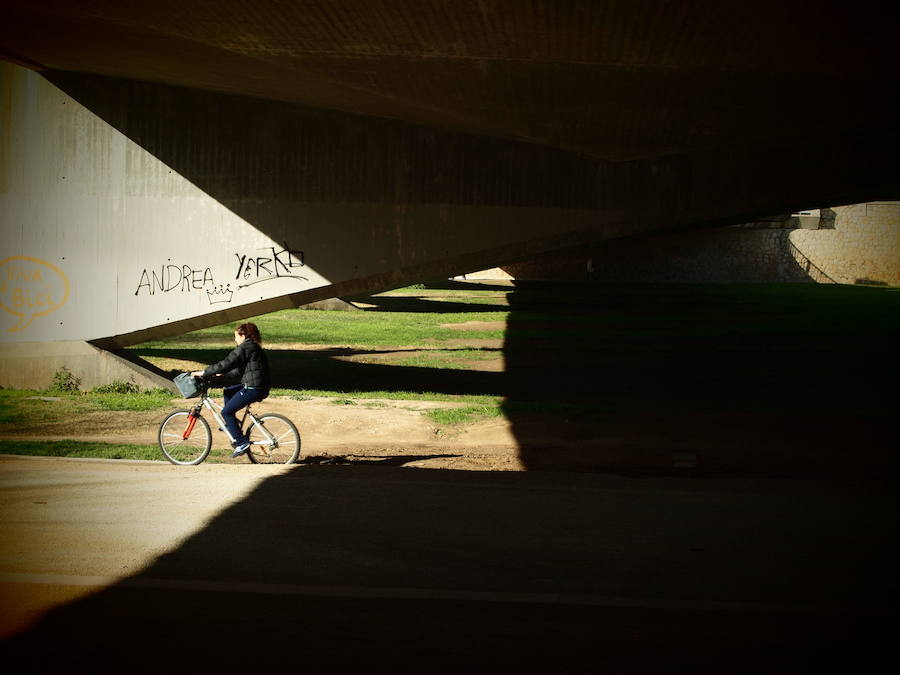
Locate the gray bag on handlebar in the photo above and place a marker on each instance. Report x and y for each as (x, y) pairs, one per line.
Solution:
(188, 385)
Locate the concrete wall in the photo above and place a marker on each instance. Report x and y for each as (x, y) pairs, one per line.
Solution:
(861, 244)
(100, 237)
(28, 365)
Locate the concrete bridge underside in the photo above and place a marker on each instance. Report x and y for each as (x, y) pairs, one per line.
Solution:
(166, 168)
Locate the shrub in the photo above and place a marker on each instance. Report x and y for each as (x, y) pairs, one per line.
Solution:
(65, 381)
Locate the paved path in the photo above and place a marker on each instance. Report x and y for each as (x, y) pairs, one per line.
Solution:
(335, 564)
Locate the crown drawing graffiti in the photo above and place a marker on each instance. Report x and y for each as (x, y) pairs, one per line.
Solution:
(219, 294)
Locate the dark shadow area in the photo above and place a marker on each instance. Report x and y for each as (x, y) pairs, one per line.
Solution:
(756, 252)
(416, 304)
(827, 218)
(328, 566)
(471, 285)
(753, 380)
(444, 284)
(298, 369)
(320, 369)
(368, 460)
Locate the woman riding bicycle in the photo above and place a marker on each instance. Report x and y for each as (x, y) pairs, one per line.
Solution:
(250, 362)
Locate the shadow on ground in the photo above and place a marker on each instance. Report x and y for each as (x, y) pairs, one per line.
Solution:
(329, 566)
(370, 460)
(323, 369)
(712, 380)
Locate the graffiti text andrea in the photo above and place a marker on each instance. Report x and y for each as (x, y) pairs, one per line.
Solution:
(174, 278)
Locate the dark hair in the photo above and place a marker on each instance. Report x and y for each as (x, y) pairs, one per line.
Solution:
(249, 331)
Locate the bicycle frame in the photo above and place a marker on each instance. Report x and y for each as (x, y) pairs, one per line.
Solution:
(216, 411)
(186, 437)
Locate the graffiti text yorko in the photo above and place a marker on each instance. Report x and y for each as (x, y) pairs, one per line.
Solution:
(251, 269)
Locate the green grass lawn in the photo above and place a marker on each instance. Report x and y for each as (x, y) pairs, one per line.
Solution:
(21, 408)
(88, 450)
(371, 328)
(80, 449)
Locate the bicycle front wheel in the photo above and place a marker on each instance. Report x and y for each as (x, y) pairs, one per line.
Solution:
(277, 442)
(181, 447)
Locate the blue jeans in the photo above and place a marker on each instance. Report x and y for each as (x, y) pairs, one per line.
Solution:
(236, 397)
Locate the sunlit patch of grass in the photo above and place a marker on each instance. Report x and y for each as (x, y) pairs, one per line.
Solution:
(92, 450)
(81, 449)
(291, 394)
(374, 404)
(24, 408)
(218, 456)
(12, 402)
(145, 400)
(28, 408)
(352, 329)
(463, 414)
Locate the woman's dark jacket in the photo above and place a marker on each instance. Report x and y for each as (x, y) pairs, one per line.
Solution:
(247, 360)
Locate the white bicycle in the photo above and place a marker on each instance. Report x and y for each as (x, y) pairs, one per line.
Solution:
(185, 436)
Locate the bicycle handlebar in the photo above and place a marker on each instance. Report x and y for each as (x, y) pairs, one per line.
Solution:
(206, 381)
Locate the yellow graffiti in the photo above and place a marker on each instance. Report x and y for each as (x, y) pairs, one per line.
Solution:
(29, 288)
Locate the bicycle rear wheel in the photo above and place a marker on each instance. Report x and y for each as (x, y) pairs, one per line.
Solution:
(180, 450)
(279, 445)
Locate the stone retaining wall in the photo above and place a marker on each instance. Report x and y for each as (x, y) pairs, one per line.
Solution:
(861, 245)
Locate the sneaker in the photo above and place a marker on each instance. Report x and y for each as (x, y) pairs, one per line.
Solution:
(240, 450)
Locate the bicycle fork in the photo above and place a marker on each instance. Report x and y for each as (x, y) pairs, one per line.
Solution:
(192, 420)
(195, 413)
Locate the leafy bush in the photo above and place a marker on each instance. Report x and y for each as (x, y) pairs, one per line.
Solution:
(65, 381)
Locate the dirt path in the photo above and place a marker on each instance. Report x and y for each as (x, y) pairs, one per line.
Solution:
(361, 430)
